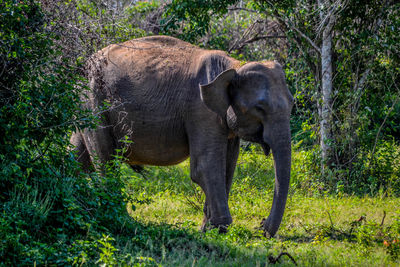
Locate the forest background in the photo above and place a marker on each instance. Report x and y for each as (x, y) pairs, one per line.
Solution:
(342, 64)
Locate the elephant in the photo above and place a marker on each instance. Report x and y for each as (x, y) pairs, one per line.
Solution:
(173, 100)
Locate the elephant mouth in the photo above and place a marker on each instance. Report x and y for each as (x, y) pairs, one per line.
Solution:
(251, 138)
(263, 144)
(258, 138)
(255, 137)
(265, 148)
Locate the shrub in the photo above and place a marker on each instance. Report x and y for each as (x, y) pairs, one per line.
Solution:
(49, 212)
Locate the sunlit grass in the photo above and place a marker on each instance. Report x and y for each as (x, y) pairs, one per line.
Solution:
(320, 230)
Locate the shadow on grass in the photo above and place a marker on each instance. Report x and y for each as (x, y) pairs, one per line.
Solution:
(172, 246)
(347, 234)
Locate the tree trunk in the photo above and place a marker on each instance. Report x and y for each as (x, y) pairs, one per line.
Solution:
(326, 87)
(326, 109)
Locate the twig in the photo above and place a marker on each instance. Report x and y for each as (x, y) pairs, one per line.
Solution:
(289, 25)
(274, 260)
(192, 203)
(72, 121)
(245, 34)
(255, 39)
(383, 219)
(330, 219)
(304, 227)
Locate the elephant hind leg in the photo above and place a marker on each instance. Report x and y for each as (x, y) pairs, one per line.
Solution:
(81, 152)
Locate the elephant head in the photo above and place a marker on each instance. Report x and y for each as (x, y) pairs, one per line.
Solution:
(257, 104)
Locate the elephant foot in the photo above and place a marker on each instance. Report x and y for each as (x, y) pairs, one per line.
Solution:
(205, 225)
(210, 222)
(222, 224)
(266, 226)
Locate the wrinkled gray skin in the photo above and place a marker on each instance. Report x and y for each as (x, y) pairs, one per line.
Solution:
(174, 100)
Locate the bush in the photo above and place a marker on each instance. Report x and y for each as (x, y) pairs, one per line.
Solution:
(50, 209)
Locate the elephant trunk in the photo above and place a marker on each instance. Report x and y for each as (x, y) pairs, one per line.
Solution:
(281, 151)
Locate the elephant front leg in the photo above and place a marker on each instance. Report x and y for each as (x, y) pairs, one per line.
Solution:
(231, 160)
(208, 169)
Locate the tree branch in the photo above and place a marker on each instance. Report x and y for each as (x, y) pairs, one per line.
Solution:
(242, 8)
(245, 34)
(262, 37)
(255, 39)
(289, 25)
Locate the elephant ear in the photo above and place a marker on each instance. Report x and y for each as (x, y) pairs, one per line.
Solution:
(215, 94)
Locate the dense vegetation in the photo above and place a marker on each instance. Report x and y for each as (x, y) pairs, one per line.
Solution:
(343, 205)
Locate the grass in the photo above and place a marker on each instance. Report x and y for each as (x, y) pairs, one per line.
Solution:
(317, 230)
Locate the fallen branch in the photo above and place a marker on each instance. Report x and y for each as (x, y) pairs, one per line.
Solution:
(383, 219)
(274, 260)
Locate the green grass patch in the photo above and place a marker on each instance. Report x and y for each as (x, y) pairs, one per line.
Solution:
(317, 229)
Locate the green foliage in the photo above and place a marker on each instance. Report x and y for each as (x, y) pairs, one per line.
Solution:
(21, 32)
(195, 15)
(47, 207)
(107, 251)
(142, 7)
(391, 240)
